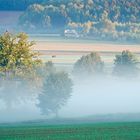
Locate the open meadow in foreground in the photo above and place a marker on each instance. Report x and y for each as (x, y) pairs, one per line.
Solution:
(100, 131)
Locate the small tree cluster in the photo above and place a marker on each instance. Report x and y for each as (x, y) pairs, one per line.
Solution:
(89, 64)
(125, 65)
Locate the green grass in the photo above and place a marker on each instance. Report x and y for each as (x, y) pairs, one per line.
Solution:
(100, 131)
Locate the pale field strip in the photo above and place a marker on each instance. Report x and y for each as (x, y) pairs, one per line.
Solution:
(99, 47)
(70, 52)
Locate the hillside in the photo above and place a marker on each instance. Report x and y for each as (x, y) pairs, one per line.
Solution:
(118, 10)
(105, 20)
(102, 20)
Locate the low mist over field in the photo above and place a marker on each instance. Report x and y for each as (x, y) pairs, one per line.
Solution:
(103, 96)
(69, 59)
(89, 97)
(33, 88)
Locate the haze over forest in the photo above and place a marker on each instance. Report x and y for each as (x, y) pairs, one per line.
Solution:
(108, 20)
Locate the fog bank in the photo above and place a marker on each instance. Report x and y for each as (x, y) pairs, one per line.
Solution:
(89, 97)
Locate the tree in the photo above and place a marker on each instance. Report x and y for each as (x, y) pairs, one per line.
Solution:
(58, 16)
(18, 67)
(125, 64)
(45, 69)
(57, 89)
(16, 55)
(49, 67)
(89, 65)
(109, 18)
(30, 18)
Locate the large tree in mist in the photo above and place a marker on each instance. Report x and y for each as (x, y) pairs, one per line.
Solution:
(56, 91)
(43, 70)
(125, 64)
(49, 68)
(16, 55)
(18, 69)
(90, 64)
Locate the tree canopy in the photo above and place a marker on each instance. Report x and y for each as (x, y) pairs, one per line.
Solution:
(16, 54)
(57, 88)
(115, 20)
(125, 64)
(90, 64)
(118, 10)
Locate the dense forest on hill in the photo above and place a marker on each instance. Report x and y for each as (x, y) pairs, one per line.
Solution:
(110, 19)
(116, 19)
(118, 10)
(21, 5)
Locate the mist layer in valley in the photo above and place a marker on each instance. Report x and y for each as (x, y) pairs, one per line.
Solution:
(100, 96)
(32, 89)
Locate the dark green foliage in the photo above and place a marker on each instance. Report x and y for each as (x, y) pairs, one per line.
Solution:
(125, 64)
(89, 65)
(112, 20)
(57, 89)
(119, 10)
(49, 17)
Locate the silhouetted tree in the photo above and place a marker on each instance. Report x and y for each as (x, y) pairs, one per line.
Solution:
(125, 64)
(49, 68)
(45, 69)
(89, 65)
(56, 91)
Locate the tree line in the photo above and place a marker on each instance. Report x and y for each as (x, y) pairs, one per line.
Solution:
(118, 10)
(125, 65)
(98, 19)
(114, 20)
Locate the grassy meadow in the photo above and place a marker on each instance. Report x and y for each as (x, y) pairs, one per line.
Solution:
(100, 131)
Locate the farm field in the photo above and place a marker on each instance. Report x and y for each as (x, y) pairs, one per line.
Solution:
(79, 45)
(100, 131)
